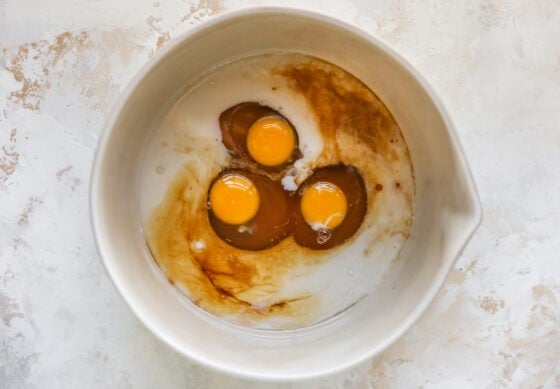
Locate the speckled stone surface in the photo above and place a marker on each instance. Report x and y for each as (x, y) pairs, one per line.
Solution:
(496, 66)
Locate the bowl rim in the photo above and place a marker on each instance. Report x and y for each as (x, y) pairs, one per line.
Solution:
(105, 250)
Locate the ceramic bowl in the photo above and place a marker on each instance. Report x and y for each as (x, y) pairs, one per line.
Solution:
(446, 209)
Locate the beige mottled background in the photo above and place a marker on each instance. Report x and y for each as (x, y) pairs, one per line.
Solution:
(496, 65)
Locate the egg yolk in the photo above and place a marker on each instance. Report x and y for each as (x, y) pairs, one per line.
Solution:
(270, 141)
(234, 199)
(323, 205)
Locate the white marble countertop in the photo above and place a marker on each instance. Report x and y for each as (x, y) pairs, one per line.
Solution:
(495, 64)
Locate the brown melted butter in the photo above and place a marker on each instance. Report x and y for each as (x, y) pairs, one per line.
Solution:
(343, 107)
(248, 286)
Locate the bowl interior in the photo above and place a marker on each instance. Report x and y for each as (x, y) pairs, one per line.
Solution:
(446, 206)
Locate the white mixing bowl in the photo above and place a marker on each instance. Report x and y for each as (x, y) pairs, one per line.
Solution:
(447, 208)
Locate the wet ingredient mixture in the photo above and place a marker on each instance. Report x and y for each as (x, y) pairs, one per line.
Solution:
(287, 191)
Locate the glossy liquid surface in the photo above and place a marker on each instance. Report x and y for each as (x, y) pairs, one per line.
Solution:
(338, 121)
